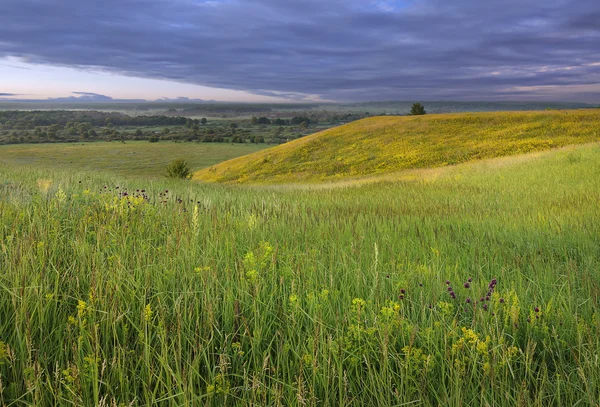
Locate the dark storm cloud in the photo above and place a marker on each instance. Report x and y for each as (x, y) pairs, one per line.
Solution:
(336, 49)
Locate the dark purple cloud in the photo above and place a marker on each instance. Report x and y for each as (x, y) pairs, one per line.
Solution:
(337, 49)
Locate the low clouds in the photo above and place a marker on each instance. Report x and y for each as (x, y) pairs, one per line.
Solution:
(328, 49)
(8, 94)
(85, 96)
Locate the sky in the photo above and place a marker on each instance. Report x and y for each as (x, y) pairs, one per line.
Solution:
(301, 50)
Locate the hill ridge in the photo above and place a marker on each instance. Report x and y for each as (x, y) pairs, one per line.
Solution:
(387, 144)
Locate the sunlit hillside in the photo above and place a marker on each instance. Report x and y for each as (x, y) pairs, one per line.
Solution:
(382, 145)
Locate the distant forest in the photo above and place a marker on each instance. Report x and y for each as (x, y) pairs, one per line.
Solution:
(57, 126)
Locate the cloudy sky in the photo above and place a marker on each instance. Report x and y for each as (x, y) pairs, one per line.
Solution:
(343, 50)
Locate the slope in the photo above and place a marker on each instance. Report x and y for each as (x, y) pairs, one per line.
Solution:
(382, 145)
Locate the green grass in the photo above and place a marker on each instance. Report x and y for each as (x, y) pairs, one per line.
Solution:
(265, 296)
(139, 158)
(383, 145)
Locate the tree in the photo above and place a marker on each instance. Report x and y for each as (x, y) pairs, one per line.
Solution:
(178, 169)
(203, 121)
(300, 119)
(417, 109)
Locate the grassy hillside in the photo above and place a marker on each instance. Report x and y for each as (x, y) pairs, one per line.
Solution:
(132, 158)
(183, 294)
(382, 145)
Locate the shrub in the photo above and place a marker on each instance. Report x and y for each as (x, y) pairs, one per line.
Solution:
(178, 169)
(417, 109)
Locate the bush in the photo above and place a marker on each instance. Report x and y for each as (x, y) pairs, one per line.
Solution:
(178, 169)
(417, 109)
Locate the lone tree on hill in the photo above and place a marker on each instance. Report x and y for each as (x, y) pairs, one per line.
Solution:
(417, 109)
(178, 169)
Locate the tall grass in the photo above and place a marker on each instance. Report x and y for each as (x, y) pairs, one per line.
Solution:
(215, 295)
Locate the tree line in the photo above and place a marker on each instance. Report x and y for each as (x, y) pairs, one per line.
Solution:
(27, 120)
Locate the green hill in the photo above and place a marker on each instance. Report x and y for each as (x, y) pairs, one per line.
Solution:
(382, 145)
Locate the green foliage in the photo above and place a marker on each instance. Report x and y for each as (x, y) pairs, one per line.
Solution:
(417, 109)
(178, 169)
(322, 296)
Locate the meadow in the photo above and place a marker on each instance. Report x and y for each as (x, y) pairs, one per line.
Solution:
(476, 286)
(382, 145)
(133, 158)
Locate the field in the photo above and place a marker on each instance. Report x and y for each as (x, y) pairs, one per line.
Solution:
(476, 286)
(381, 145)
(138, 158)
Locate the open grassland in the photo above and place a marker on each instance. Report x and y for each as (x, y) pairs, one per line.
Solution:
(381, 145)
(130, 158)
(220, 295)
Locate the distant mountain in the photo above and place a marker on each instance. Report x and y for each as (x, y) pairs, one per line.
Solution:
(80, 97)
(183, 99)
